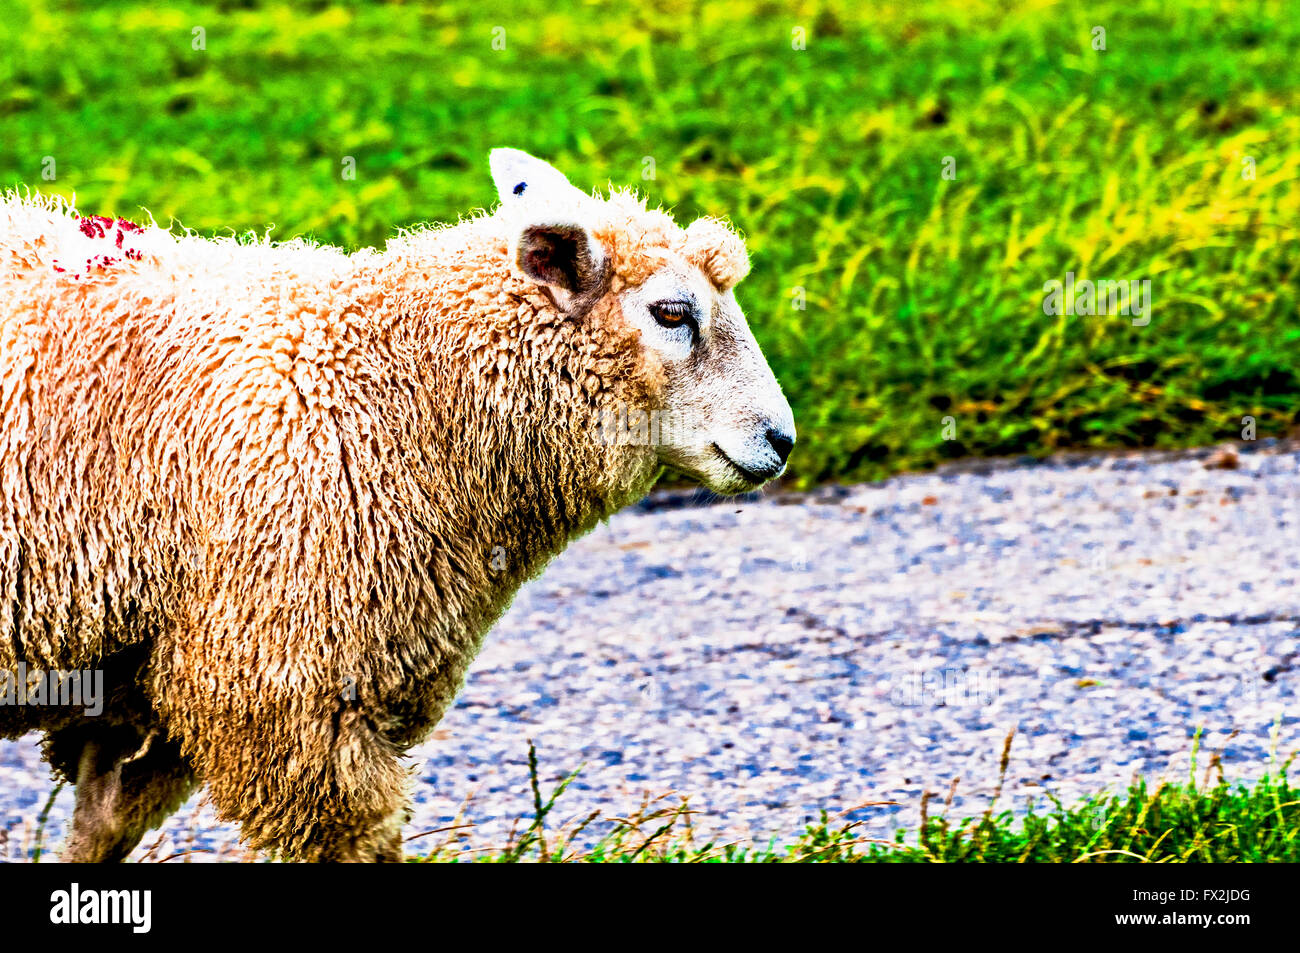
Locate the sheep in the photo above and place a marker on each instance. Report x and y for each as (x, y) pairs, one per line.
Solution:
(277, 494)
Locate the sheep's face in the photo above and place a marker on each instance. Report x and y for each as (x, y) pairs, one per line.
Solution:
(722, 418)
(717, 412)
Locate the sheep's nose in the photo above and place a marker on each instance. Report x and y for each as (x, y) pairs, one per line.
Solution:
(781, 442)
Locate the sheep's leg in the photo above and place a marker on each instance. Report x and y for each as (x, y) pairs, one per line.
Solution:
(347, 806)
(272, 701)
(305, 782)
(378, 843)
(344, 823)
(126, 785)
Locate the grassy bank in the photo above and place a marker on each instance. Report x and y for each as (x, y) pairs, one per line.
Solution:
(1213, 821)
(1169, 156)
(1220, 822)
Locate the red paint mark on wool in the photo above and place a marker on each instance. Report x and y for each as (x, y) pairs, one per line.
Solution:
(101, 226)
(95, 226)
(98, 226)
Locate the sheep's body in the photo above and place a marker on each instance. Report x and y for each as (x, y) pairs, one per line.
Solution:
(278, 494)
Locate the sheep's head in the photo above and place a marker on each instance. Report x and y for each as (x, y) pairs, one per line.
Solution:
(715, 412)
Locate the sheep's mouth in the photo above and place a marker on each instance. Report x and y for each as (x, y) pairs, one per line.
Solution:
(752, 477)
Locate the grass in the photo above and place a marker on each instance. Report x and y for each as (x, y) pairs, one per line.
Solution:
(1223, 822)
(1187, 822)
(923, 294)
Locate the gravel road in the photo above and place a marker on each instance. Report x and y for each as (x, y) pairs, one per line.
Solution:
(772, 657)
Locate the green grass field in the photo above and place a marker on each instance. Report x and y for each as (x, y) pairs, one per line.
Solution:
(923, 293)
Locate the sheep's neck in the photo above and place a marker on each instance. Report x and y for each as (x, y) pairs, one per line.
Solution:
(514, 471)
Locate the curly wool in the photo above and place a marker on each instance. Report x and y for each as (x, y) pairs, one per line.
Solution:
(280, 492)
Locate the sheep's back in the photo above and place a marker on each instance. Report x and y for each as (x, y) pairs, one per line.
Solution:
(150, 405)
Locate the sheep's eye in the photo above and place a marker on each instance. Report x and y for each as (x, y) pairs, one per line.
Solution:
(675, 314)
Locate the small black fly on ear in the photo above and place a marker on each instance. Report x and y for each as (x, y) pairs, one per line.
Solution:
(519, 189)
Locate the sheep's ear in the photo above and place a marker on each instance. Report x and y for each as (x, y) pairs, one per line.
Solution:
(718, 251)
(564, 257)
(519, 177)
(552, 244)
